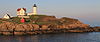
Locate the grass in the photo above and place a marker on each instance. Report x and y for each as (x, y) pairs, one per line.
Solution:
(38, 19)
(14, 19)
(42, 23)
(1, 22)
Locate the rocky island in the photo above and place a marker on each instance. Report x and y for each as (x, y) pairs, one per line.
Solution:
(41, 24)
(33, 23)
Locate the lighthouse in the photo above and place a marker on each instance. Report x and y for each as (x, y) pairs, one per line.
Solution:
(34, 9)
(21, 12)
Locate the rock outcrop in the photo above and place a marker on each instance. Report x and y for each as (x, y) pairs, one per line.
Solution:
(44, 24)
(96, 29)
(22, 29)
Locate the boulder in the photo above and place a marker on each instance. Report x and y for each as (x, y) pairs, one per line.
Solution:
(3, 27)
(27, 27)
(97, 29)
(19, 28)
(7, 26)
(7, 33)
(19, 33)
(36, 27)
(31, 33)
(75, 31)
(45, 27)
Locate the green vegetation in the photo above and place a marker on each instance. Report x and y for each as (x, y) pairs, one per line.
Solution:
(27, 20)
(42, 23)
(39, 15)
(34, 17)
(14, 19)
(42, 19)
(1, 22)
(66, 21)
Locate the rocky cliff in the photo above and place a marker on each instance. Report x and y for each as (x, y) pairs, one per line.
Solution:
(42, 24)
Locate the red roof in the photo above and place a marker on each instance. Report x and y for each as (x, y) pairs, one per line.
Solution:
(24, 9)
(20, 9)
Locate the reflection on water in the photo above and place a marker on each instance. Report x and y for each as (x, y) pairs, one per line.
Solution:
(62, 37)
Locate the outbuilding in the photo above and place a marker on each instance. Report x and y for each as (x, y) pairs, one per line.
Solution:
(7, 16)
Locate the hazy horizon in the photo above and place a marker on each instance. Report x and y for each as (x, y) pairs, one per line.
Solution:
(86, 11)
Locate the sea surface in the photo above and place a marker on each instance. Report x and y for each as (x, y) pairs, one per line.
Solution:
(60, 37)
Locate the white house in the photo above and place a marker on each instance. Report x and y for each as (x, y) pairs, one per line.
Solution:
(21, 11)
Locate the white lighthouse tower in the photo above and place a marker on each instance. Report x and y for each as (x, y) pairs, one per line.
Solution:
(34, 9)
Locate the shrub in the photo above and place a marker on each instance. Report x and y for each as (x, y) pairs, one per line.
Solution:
(1, 22)
(27, 20)
(15, 20)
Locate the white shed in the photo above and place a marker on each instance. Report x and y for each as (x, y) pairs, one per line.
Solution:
(6, 16)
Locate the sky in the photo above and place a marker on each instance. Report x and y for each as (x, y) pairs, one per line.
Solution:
(87, 11)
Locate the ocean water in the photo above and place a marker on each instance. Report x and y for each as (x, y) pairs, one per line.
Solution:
(60, 37)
